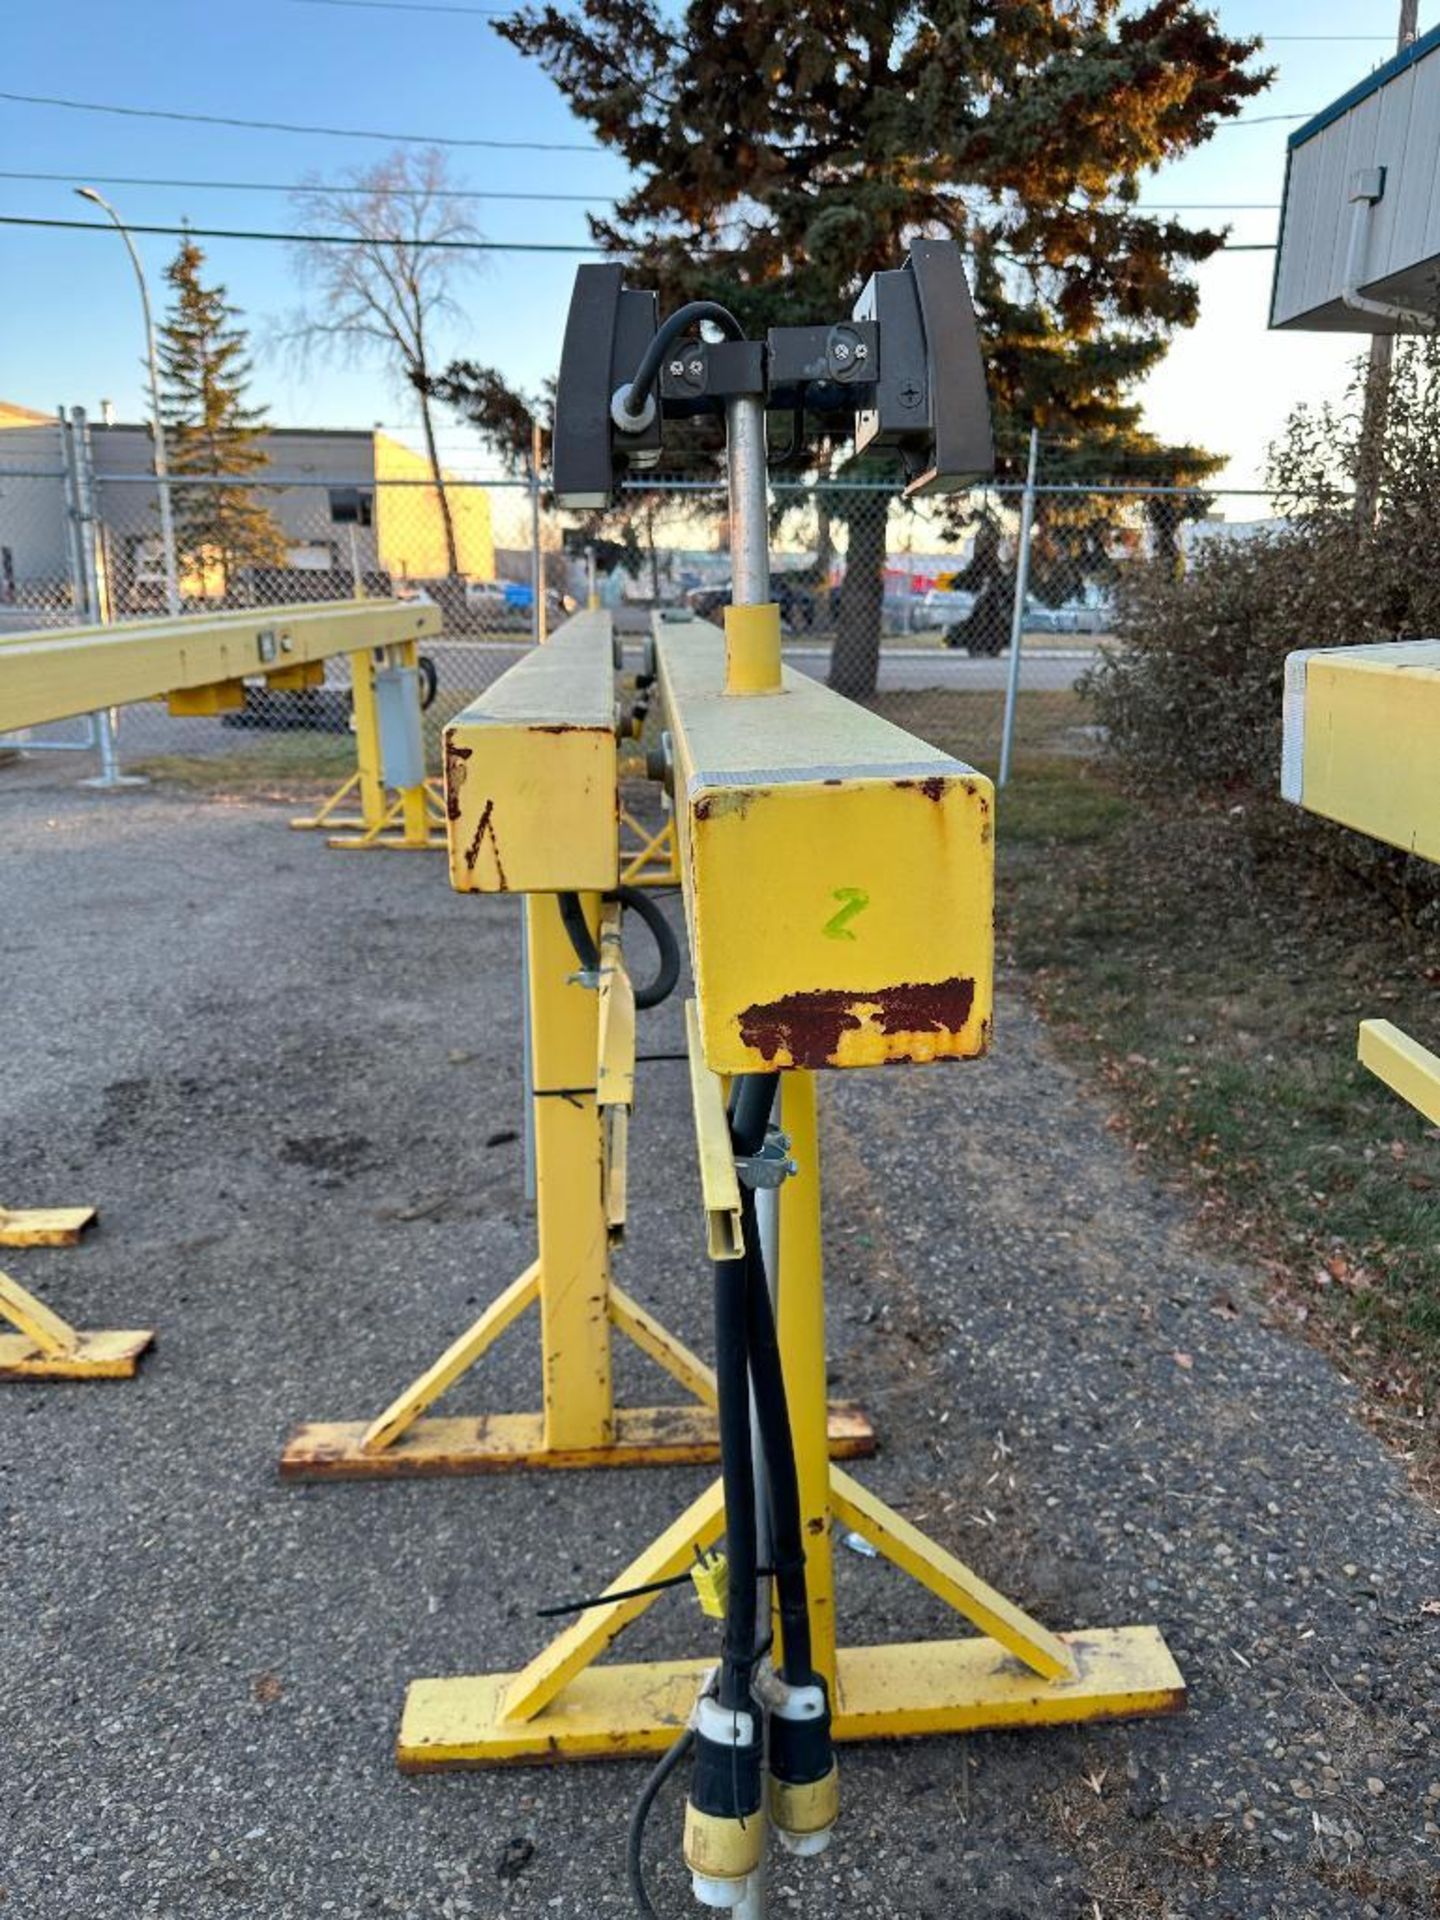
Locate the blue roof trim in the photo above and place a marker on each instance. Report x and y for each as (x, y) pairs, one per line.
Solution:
(1372, 83)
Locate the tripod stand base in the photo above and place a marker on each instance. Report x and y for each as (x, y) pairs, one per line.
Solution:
(882, 1693)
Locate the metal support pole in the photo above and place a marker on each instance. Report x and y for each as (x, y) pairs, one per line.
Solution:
(157, 424)
(748, 485)
(97, 608)
(1017, 615)
(539, 623)
(367, 739)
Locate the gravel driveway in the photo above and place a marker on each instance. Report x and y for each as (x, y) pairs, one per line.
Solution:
(289, 1079)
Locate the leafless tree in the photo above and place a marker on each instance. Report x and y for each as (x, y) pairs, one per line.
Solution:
(386, 294)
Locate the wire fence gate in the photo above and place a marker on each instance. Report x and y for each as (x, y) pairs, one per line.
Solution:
(971, 621)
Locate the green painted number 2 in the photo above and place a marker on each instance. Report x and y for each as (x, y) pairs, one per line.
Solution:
(852, 900)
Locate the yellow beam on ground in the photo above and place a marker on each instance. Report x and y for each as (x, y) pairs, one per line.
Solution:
(882, 1693)
(530, 772)
(838, 873)
(45, 1347)
(44, 1226)
(72, 670)
(1361, 725)
(1404, 1065)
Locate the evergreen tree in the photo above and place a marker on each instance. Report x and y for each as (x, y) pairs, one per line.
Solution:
(786, 149)
(211, 431)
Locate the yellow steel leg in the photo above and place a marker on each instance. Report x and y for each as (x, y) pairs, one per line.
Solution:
(45, 1347)
(369, 772)
(800, 1324)
(574, 1242)
(44, 1226)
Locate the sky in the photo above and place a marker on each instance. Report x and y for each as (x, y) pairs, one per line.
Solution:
(69, 320)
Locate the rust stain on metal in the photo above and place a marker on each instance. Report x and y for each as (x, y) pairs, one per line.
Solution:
(808, 1026)
(486, 826)
(932, 786)
(455, 771)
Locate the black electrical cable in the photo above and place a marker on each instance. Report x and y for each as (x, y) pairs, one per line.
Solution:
(635, 1839)
(737, 1473)
(604, 1599)
(667, 947)
(681, 321)
(772, 1416)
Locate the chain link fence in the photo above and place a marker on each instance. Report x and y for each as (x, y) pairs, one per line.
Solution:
(969, 620)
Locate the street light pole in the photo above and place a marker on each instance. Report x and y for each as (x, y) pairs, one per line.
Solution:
(157, 427)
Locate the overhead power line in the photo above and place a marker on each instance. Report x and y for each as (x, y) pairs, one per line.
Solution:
(280, 186)
(355, 240)
(287, 126)
(307, 239)
(504, 193)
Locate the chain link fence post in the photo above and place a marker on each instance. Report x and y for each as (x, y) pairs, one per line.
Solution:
(1017, 617)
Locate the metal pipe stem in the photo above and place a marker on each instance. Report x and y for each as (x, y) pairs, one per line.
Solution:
(749, 501)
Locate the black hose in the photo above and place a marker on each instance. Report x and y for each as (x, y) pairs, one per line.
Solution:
(772, 1416)
(573, 914)
(679, 322)
(635, 1839)
(752, 1099)
(667, 947)
(732, 1389)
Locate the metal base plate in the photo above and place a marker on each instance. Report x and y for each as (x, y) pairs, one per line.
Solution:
(108, 1355)
(499, 1442)
(882, 1693)
(44, 1226)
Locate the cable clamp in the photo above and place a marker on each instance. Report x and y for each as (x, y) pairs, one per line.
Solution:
(772, 1166)
(789, 1703)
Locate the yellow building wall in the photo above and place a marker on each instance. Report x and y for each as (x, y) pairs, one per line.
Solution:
(409, 528)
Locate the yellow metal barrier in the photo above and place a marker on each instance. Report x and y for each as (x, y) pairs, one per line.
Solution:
(837, 879)
(1361, 728)
(72, 670)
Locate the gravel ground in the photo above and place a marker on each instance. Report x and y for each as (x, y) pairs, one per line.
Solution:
(285, 1076)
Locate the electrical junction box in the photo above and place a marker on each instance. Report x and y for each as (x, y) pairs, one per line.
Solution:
(402, 744)
(1361, 213)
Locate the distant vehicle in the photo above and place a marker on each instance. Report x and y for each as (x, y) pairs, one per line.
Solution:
(797, 604)
(941, 606)
(1043, 619)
